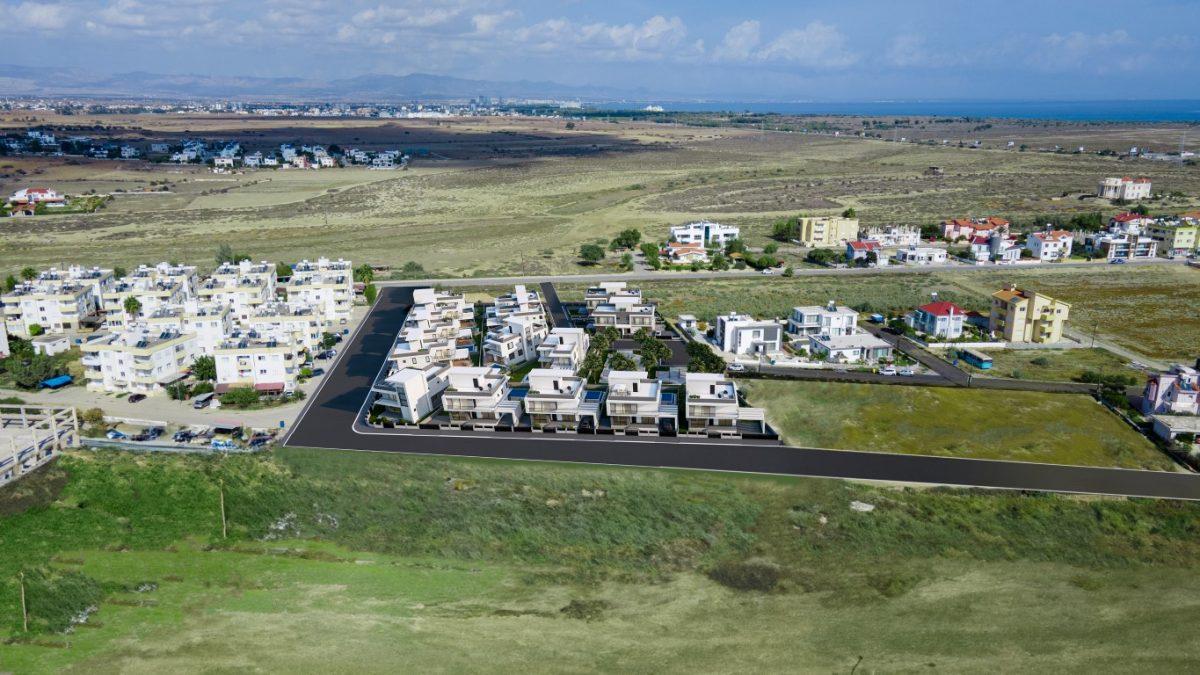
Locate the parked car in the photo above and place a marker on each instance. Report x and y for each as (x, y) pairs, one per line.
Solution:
(260, 440)
(114, 435)
(321, 356)
(202, 401)
(316, 372)
(221, 444)
(736, 367)
(768, 271)
(907, 372)
(1117, 261)
(135, 398)
(183, 436)
(887, 370)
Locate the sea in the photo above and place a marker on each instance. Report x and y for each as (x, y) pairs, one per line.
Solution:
(1166, 110)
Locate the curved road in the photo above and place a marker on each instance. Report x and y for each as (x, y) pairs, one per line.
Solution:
(329, 419)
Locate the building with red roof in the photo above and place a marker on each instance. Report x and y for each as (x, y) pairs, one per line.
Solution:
(940, 319)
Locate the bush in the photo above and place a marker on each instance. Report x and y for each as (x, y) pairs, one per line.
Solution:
(202, 388)
(56, 600)
(35, 330)
(240, 397)
(752, 574)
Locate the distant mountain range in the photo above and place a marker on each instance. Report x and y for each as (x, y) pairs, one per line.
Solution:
(48, 81)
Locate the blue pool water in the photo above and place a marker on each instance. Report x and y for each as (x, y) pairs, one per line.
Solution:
(517, 394)
(668, 398)
(593, 395)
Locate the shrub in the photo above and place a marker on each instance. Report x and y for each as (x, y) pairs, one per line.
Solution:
(752, 574)
(202, 388)
(35, 330)
(240, 397)
(56, 600)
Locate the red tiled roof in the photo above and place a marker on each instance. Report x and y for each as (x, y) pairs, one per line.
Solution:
(1127, 217)
(867, 245)
(941, 308)
(981, 239)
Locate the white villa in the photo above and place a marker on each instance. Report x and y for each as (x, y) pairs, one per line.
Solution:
(479, 396)
(705, 233)
(832, 319)
(740, 335)
(712, 407)
(636, 404)
(564, 349)
(558, 399)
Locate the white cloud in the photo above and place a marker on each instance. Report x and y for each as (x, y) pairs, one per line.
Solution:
(486, 24)
(817, 45)
(739, 43)
(654, 38)
(1074, 50)
(35, 15)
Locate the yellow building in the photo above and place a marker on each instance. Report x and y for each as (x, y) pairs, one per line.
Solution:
(826, 231)
(1019, 315)
(1176, 237)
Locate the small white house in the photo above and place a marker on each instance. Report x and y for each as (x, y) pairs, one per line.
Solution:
(939, 319)
(1050, 245)
(915, 255)
(705, 233)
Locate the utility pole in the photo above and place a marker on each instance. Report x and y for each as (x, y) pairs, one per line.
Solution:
(24, 609)
(224, 528)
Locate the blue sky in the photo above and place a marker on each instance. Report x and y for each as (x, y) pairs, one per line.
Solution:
(847, 50)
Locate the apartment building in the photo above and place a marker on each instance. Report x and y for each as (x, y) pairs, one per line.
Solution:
(705, 233)
(1174, 237)
(300, 325)
(520, 301)
(138, 360)
(210, 323)
(1129, 189)
(557, 399)
(57, 307)
(1175, 392)
(480, 396)
(891, 235)
(1121, 246)
(185, 275)
(151, 293)
(1050, 246)
(916, 255)
(1128, 223)
(1020, 315)
(740, 334)
(326, 285)
(637, 404)
(832, 319)
(564, 349)
(516, 340)
(611, 293)
(826, 231)
(412, 393)
(245, 359)
(625, 311)
(938, 319)
(712, 407)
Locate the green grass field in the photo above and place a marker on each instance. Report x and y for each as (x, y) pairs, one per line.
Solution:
(1013, 425)
(351, 562)
(1057, 365)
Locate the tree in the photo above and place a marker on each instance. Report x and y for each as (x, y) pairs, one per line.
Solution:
(133, 306)
(821, 256)
(29, 372)
(735, 246)
(283, 270)
(702, 359)
(570, 125)
(719, 263)
(771, 248)
(850, 213)
(370, 293)
(627, 262)
(364, 273)
(119, 271)
(28, 274)
(204, 368)
(10, 283)
(591, 253)
(178, 391)
(627, 239)
(226, 254)
(240, 397)
(328, 340)
(650, 251)
(789, 272)
(35, 330)
(618, 361)
(786, 229)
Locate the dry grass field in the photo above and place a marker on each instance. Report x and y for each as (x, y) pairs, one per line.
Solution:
(508, 196)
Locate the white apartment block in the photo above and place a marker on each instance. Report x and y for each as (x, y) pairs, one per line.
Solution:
(286, 322)
(243, 295)
(741, 335)
(137, 360)
(479, 396)
(246, 360)
(413, 393)
(516, 340)
(56, 308)
(712, 407)
(626, 313)
(558, 399)
(1129, 189)
(185, 275)
(210, 323)
(611, 292)
(150, 293)
(1050, 245)
(832, 319)
(705, 233)
(327, 285)
(637, 404)
(564, 349)
(891, 235)
(520, 301)
(916, 255)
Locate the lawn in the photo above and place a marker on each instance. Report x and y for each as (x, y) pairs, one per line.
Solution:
(985, 424)
(345, 561)
(1065, 365)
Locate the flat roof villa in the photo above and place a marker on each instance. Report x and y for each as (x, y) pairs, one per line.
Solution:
(610, 292)
(479, 396)
(637, 404)
(712, 408)
(854, 348)
(557, 399)
(564, 349)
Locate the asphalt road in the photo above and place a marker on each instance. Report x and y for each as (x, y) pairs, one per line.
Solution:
(558, 313)
(329, 419)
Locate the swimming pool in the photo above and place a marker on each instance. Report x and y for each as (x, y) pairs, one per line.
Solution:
(593, 395)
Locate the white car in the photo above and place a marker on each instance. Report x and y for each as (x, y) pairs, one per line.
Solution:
(887, 370)
(736, 367)
(907, 372)
(768, 271)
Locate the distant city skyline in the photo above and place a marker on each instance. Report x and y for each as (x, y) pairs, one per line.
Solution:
(853, 50)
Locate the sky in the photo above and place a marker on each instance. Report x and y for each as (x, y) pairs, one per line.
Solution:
(748, 50)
